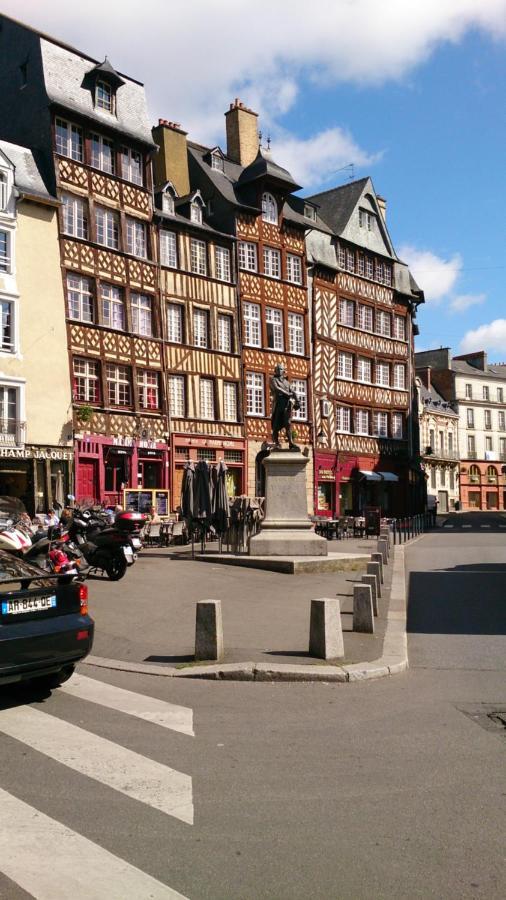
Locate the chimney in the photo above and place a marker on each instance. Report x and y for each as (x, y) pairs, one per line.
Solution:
(382, 204)
(477, 359)
(242, 133)
(424, 376)
(171, 163)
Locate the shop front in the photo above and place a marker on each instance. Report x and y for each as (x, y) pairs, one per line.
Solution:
(367, 481)
(105, 467)
(38, 476)
(326, 501)
(212, 449)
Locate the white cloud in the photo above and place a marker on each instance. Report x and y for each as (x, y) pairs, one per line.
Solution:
(436, 276)
(486, 337)
(464, 301)
(313, 160)
(196, 56)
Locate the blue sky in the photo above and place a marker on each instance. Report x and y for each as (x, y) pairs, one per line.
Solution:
(410, 91)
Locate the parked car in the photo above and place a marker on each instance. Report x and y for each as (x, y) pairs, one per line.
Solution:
(45, 628)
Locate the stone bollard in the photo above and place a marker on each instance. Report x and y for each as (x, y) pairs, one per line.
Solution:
(325, 629)
(208, 630)
(363, 618)
(383, 549)
(385, 533)
(378, 557)
(373, 568)
(372, 582)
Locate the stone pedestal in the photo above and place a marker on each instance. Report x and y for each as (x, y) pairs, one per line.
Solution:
(286, 529)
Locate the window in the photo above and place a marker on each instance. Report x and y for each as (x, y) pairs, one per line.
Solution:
(369, 267)
(364, 369)
(69, 140)
(113, 306)
(118, 385)
(222, 263)
(9, 414)
(207, 398)
(433, 477)
(177, 395)
(432, 440)
(296, 333)
(400, 376)
(80, 298)
(492, 474)
(380, 424)
(471, 447)
(379, 270)
(361, 421)
(148, 389)
(175, 323)
(272, 262)
(102, 154)
(441, 442)
(269, 209)
(360, 263)
(252, 334)
(400, 328)
(104, 97)
(452, 480)
(255, 398)
(248, 256)
(384, 323)
(382, 374)
(488, 419)
(131, 165)
(229, 401)
(142, 316)
(198, 256)
(397, 425)
(345, 365)
(309, 212)
(75, 217)
(7, 326)
(450, 443)
(168, 203)
(300, 387)
(470, 418)
(343, 419)
(500, 395)
(442, 476)
(293, 268)
(341, 256)
(200, 328)
(168, 249)
(387, 274)
(501, 423)
(365, 219)
(347, 312)
(196, 213)
(107, 225)
(488, 444)
(469, 392)
(502, 448)
(217, 162)
(224, 333)
(365, 318)
(350, 261)
(86, 388)
(136, 238)
(5, 261)
(486, 392)
(274, 323)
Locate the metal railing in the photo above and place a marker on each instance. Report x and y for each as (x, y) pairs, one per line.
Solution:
(406, 528)
(12, 433)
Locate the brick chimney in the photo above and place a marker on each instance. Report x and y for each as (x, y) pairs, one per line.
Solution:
(171, 163)
(382, 204)
(242, 133)
(424, 376)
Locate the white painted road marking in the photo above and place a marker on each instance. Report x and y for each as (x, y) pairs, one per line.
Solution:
(123, 770)
(168, 715)
(52, 862)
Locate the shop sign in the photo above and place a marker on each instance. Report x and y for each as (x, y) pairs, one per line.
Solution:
(124, 441)
(325, 474)
(208, 442)
(54, 453)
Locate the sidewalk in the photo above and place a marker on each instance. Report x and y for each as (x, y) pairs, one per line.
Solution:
(148, 618)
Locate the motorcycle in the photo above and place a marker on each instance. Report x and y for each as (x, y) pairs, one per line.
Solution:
(48, 551)
(98, 545)
(131, 523)
(15, 527)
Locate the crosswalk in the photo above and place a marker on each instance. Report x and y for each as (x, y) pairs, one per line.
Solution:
(80, 868)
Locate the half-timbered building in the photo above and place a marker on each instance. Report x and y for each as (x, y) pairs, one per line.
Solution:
(90, 128)
(363, 302)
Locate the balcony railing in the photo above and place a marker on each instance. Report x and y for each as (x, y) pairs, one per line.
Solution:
(471, 454)
(441, 453)
(12, 433)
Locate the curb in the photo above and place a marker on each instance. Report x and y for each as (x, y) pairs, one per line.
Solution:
(393, 661)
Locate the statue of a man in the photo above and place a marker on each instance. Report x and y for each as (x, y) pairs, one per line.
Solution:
(284, 401)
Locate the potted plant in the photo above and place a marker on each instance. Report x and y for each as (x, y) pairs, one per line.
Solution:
(84, 413)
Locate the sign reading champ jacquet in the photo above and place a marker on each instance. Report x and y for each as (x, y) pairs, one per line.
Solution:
(55, 453)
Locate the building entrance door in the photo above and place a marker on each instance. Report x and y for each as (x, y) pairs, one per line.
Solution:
(87, 480)
(443, 501)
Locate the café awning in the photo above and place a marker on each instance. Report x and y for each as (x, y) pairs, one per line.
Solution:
(388, 476)
(370, 476)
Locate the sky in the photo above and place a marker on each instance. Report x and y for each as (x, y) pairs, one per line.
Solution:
(411, 92)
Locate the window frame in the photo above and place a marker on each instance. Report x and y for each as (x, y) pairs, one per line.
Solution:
(252, 323)
(88, 380)
(272, 262)
(77, 208)
(210, 385)
(78, 292)
(346, 359)
(248, 256)
(118, 385)
(269, 208)
(136, 237)
(144, 386)
(99, 159)
(274, 329)
(108, 106)
(165, 258)
(300, 387)
(222, 263)
(255, 390)
(69, 144)
(294, 268)
(141, 308)
(114, 296)
(226, 346)
(201, 316)
(178, 396)
(178, 319)
(107, 222)
(198, 256)
(296, 336)
(9, 346)
(230, 388)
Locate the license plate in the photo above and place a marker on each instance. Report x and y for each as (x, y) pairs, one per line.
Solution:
(128, 553)
(27, 605)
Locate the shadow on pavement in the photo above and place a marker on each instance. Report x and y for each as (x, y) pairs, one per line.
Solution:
(170, 659)
(466, 599)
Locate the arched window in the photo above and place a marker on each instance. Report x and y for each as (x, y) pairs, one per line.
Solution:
(474, 474)
(269, 209)
(492, 475)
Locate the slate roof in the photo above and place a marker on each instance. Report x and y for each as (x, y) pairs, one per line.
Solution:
(178, 219)
(27, 177)
(461, 367)
(433, 401)
(264, 166)
(337, 204)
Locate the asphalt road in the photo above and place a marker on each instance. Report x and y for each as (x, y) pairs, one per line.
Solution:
(388, 789)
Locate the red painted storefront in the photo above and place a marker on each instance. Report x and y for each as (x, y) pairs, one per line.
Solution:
(346, 483)
(231, 451)
(104, 466)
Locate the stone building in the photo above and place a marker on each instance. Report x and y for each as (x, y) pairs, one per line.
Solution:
(476, 391)
(439, 441)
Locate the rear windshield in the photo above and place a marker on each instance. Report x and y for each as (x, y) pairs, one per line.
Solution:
(14, 569)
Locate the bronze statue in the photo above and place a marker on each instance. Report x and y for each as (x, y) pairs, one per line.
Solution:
(284, 401)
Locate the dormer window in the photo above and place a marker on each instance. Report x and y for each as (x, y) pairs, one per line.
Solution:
(3, 191)
(309, 212)
(217, 162)
(269, 209)
(104, 96)
(196, 213)
(366, 219)
(168, 203)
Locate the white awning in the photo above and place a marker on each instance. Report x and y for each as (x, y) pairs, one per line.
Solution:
(388, 476)
(370, 476)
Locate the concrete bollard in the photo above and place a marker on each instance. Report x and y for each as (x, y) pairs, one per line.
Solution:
(385, 534)
(208, 630)
(371, 581)
(363, 618)
(378, 557)
(383, 549)
(373, 568)
(325, 629)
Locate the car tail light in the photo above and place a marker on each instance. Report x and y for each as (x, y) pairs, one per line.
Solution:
(82, 635)
(83, 598)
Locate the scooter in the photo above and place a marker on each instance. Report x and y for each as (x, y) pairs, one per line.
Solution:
(106, 549)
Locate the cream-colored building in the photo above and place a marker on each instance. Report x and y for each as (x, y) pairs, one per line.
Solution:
(36, 448)
(439, 437)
